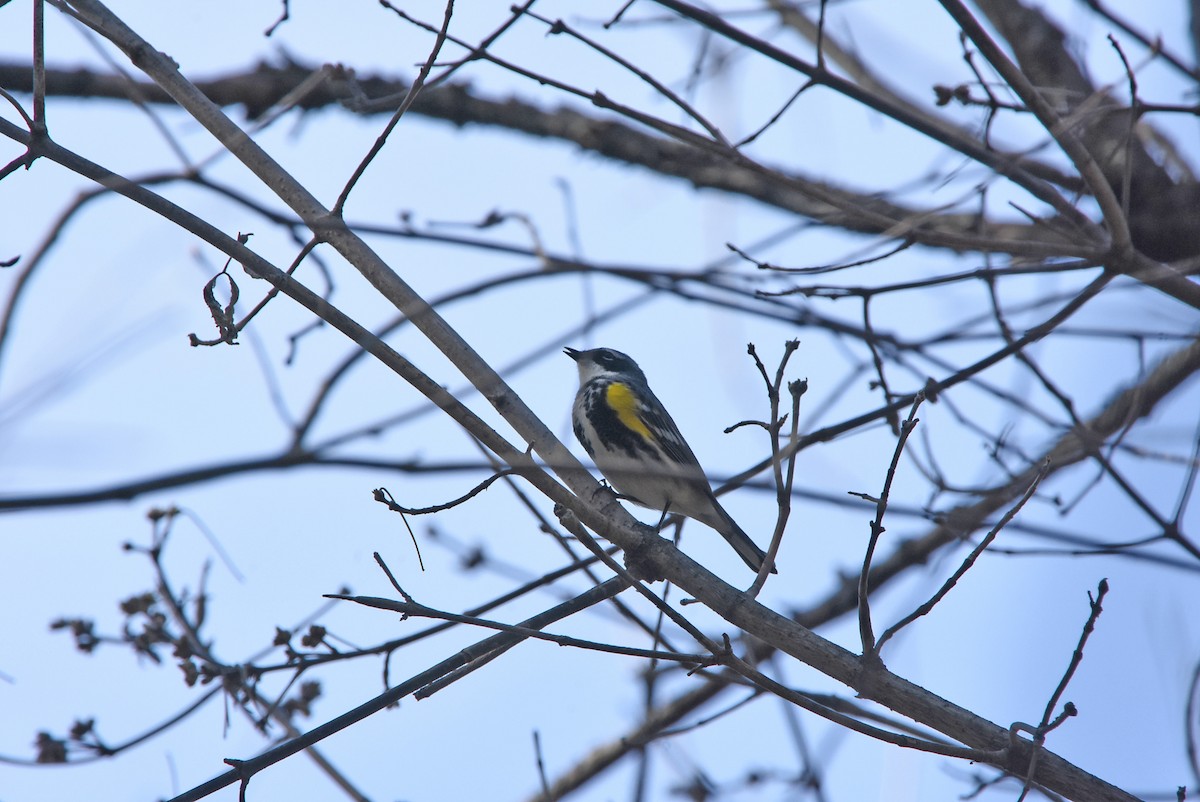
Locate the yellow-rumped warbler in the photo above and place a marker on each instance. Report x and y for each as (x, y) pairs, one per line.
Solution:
(635, 444)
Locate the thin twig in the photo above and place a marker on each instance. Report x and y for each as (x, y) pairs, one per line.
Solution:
(869, 648)
(1046, 725)
(949, 584)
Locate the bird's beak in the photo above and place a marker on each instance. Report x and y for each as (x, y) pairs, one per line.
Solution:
(571, 352)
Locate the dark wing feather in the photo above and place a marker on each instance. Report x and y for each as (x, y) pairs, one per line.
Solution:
(657, 419)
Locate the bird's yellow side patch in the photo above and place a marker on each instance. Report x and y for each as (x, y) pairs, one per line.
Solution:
(622, 401)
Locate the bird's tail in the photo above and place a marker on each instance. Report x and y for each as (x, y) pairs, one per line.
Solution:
(746, 548)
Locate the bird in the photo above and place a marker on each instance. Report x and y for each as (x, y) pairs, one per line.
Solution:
(636, 445)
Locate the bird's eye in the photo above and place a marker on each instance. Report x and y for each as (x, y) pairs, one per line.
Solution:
(607, 357)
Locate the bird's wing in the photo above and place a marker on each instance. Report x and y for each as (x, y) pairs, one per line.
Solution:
(657, 419)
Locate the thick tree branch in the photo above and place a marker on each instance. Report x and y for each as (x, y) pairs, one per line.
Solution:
(259, 89)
